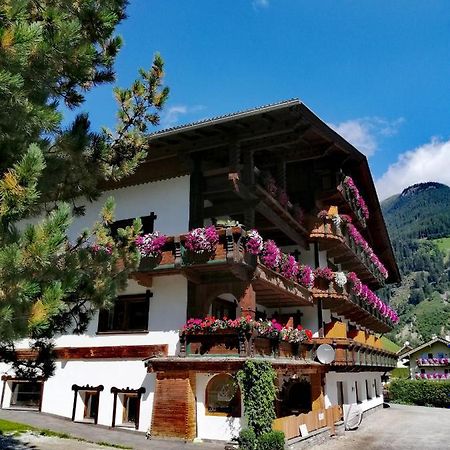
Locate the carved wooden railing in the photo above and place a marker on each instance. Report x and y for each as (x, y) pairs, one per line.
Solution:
(341, 301)
(352, 203)
(224, 343)
(338, 243)
(233, 343)
(350, 353)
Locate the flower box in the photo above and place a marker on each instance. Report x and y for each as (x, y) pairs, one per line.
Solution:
(221, 342)
(262, 346)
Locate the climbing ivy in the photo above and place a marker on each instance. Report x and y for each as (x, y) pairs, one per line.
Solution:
(257, 382)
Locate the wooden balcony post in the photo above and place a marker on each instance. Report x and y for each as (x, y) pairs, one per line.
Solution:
(247, 302)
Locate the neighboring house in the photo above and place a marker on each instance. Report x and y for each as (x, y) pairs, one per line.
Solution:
(280, 170)
(403, 361)
(430, 361)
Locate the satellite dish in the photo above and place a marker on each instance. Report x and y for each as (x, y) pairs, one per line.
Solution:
(325, 353)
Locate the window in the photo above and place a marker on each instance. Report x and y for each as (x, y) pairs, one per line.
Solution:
(129, 313)
(358, 400)
(223, 396)
(221, 308)
(148, 223)
(368, 394)
(375, 385)
(130, 408)
(26, 394)
(340, 393)
(91, 400)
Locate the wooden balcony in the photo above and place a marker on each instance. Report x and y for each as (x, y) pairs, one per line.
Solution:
(229, 262)
(335, 240)
(433, 362)
(350, 354)
(233, 343)
(355, 356)
(343, 303)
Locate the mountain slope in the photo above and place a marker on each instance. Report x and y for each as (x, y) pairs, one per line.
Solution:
(418, 221)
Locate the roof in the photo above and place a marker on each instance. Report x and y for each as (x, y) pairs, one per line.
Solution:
(427, 344)
(279, 127)
(228, 117)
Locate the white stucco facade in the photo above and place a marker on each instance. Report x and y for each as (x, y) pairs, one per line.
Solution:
(350, 382)
(213, 426)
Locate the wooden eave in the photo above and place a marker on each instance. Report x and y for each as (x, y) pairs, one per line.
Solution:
(289, 130)
(228, 364)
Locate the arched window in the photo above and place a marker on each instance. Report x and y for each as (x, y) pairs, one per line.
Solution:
(223, 397)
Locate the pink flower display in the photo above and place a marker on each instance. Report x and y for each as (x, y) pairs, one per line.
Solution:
(151, 244)
(325, 273)
(254, 243)
(202, 240)
(361, 204)
(363, 292)
(271, 255)
(306, 277)
(282, 198)
(289, 267)
(359, 241)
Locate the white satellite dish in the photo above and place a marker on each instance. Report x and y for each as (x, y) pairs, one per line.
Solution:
(325, 353)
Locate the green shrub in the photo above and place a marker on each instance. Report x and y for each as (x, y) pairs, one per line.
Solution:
(420, 392)
(272, 440)
(247, 439)
(257, 382)
(400, 372)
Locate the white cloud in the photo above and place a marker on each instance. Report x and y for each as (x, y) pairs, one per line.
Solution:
(172, 115)
(365, 133)
(260, 3)
(429, 162)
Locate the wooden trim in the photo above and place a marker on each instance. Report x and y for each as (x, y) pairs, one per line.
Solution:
(115, 391)
(76, 388)
(107, 352)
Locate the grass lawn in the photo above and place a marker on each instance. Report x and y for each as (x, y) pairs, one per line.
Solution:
(15, 428)
(389, 345)
(443, 245)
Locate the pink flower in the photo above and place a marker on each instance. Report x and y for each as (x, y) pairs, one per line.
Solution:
(271, 256)
(202, 240)
(306, 277)
(324, 272)
(289, 267)
(150, 244)
(254, 243)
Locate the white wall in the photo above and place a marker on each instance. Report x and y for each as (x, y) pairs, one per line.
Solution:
(169, 199)
(58, 395)
(348, 379)
(167, 314)
(213, 427)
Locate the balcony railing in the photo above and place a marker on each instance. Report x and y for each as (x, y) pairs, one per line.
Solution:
(271, 287)
(334, 237)
(342, 301)
(225, 343)
(425, 362)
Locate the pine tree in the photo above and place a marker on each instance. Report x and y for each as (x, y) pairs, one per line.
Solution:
(51, 53)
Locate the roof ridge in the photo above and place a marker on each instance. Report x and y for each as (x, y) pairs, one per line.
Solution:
(294, 100)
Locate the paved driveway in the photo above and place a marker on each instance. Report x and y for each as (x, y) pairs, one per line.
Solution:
(398, 427)
(94, 433)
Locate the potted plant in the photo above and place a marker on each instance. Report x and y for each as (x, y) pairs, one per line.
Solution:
(150, 248)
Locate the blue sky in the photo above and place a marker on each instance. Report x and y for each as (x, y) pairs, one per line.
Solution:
(377, 71)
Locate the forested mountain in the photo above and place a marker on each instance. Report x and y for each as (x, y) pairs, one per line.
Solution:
(418, 221)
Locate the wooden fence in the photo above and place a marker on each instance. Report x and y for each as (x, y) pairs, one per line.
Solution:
(314, 420)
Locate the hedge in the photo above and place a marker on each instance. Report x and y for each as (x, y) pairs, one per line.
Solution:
(420, 392)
